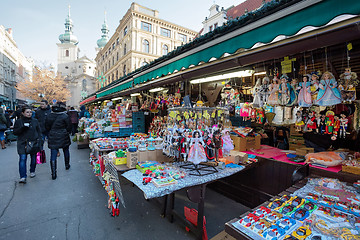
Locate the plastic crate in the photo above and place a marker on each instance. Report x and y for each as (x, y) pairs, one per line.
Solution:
(111, 134)
(138, 114)
(125, 132)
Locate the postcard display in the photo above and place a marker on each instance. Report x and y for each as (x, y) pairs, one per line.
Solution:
(323, 209)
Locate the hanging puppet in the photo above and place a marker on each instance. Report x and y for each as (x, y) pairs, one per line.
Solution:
(264, 91)
(218, 144)
(257, 94)
(284, 91)
(228, 144)
(347, 85)
(273, 92)
(175, 145)
(209, 146)
(329, 94)
(196, 152)
(299, 122)
(329, 122)
(343, 125)
(294, 85)
(304, 97)
(314, 88)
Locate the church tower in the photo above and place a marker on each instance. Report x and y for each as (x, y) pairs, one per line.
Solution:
(104, 37)
(68, 50)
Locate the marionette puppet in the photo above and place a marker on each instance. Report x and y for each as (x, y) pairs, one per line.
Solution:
(311, 124)
(209, 146)
(284, 91)
(299, 123)
(294, 85)
(343, 124)
(329, 122)
(228, 144)
(304, 97)
(184, 145)
(322, 124)
(336, 127)
(347, 85)
(264, 91)
(218, 144)
(257, 101)
(197, 152)
(273, 92)
(314, 87)
(329, 94)
(175, 145)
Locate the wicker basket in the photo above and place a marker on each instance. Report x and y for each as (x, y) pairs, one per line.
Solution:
(351, 169)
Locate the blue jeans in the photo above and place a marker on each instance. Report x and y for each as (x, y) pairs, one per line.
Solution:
(22, 164)
(44, 135)
(53, 153)
(2, 136)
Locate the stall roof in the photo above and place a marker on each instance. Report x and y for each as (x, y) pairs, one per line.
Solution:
(258, 29)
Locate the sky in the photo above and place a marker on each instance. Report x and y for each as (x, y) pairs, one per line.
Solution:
(37, 24)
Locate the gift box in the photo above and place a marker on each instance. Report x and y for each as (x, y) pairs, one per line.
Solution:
(120, 161)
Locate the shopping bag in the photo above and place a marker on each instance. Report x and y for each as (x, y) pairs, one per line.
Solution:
(192, 216)
(41, 157)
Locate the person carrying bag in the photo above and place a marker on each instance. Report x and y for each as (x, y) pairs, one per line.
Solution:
(29, 141)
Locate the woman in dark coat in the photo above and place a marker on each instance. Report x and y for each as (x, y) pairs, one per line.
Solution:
(27, 129)
(58, 125)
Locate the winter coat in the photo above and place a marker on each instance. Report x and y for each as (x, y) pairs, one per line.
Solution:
(74, 117)
(30, 133)
(41, 115)
(59, 127)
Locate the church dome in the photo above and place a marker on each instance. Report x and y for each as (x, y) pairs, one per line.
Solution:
(104, 37)
(68, 36)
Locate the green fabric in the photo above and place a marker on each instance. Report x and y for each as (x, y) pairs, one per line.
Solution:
(316, 15)
(115, 89)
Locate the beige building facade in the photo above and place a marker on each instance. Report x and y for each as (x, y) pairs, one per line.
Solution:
(140, 38)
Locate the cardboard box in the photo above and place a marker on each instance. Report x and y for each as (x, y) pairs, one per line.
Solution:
(223, 236)
(304, 151)
(143, 156)
(161, 157)
(151, 155)
(132, 159)
(238, 157)
(246, 143)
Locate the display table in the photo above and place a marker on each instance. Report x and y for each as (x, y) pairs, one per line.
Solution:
(195, 187)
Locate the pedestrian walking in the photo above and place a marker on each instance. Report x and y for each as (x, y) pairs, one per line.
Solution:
(59, 127)
(84, 112)
(41, 114)
(28, 131)
(74, 119)
(3, 126)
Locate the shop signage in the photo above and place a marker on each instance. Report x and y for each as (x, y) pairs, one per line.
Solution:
(286, 65)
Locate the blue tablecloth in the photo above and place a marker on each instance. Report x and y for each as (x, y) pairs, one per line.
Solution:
(151, 191)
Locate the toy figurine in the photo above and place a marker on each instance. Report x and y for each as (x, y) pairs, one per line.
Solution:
(184, 144)
(343, 124)
(347, 85)
(294, 85)
(274, 91)
(228, 144)
(264, 90)
(115, 211)
(218, 144)
(329, 94)
(299, 124)
(197, 152)
(311, 123)
(260, 116)
(329, 122)
(304, 97)
(322, 124)
(257, 94)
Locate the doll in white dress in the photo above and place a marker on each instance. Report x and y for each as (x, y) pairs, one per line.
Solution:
(197, 152)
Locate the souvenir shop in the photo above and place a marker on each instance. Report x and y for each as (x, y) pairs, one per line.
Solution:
(254, 125)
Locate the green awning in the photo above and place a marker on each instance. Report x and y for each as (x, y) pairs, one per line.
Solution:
(316, 15)
(118, 88)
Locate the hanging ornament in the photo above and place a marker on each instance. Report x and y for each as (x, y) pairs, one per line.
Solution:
(206, 115)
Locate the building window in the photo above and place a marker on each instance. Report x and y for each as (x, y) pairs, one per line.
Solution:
(125, 31)
(165, 49)
(79, 66)
(66, 67)
(117, 41)
(117, 56)
(84, 84)
(146, 46)
(146, 26)
(113, 61)
(67, 53)
(215, 25)
(210, 28)
(165, 32)
(182, 37)
(124, 48)
(144, 63)
(117, 74)
(113, 46)
(124, 70)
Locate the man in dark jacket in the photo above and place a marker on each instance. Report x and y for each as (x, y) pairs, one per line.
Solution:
(59, 127)
(41, 115)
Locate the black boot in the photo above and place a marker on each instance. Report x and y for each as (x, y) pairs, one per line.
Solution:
(53, 169)
(67, 163)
